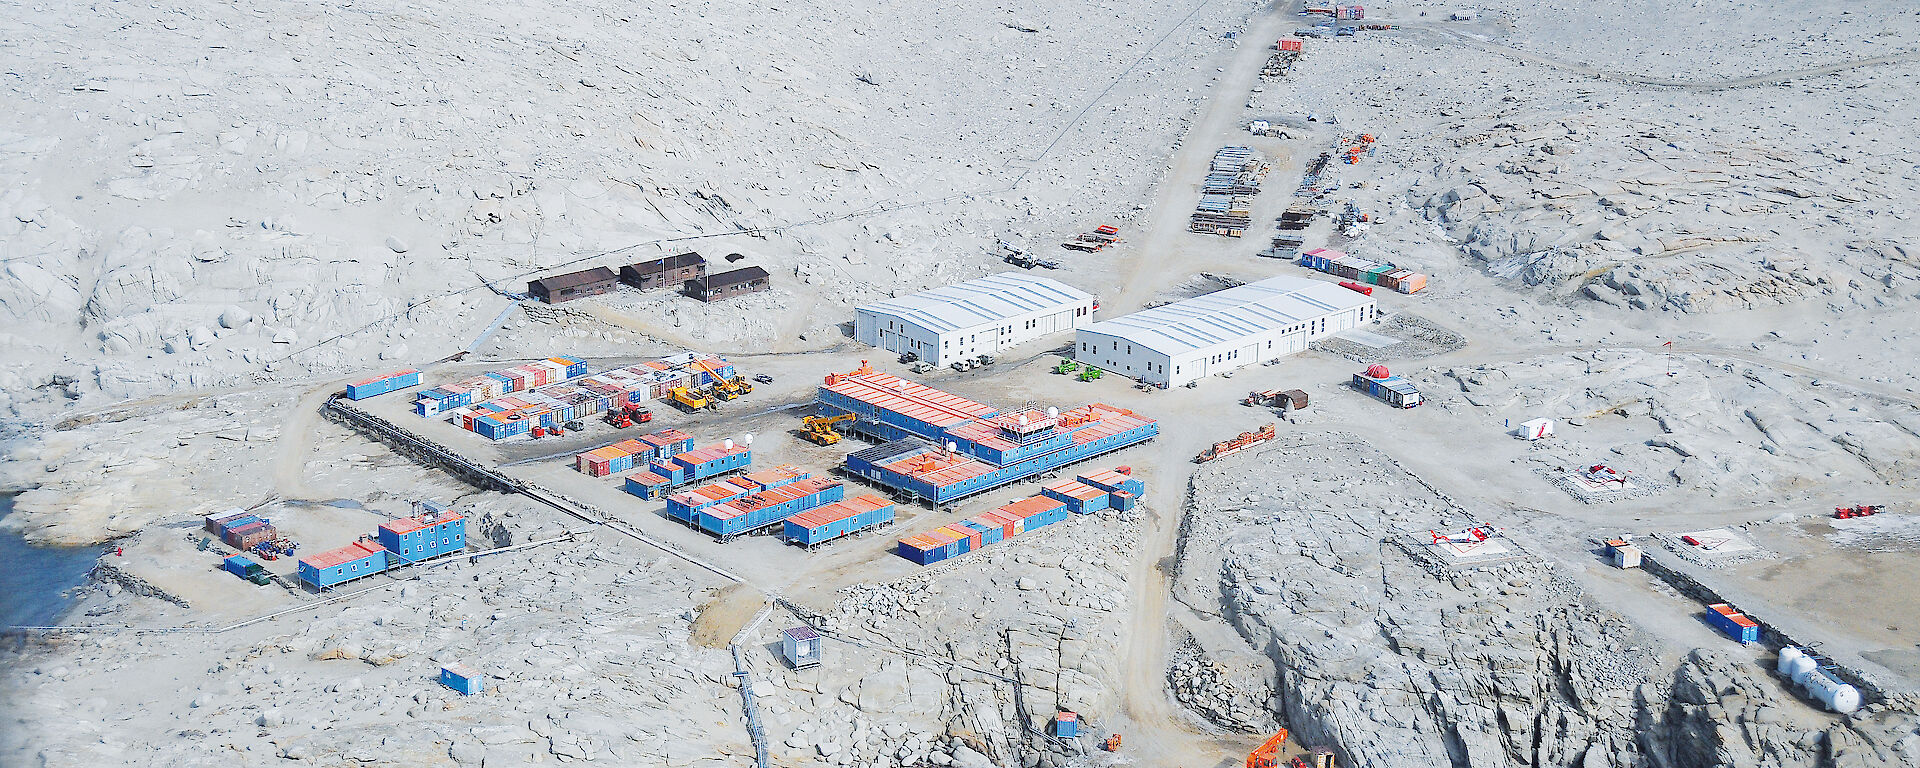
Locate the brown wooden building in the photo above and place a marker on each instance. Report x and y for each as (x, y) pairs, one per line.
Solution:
(573, 285)
(666, 272)
(729, 284)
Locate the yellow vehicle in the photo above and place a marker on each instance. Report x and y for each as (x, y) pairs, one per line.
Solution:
(819, 429)
(724, 388)
(690, 399)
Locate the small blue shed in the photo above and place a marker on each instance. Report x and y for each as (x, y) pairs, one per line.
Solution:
(1066, 725)
(460, 677)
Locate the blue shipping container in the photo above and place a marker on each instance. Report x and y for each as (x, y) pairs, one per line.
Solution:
(240, 565)
(461, 678)
(243, 520)
(1733, 629)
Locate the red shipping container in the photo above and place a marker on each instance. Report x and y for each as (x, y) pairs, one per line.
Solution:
(1289, 44)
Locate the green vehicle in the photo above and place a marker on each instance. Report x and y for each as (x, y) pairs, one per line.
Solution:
(1066, 365)
(1089, 373)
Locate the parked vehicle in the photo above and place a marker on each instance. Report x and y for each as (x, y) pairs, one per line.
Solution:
(908, 357)
(921, 367)
(763, 378)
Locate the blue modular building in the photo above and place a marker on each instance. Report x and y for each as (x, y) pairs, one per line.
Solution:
(431, 533)
(339, 566)
(841, 518)
(769, 507)
(462, 678)
(380, 385)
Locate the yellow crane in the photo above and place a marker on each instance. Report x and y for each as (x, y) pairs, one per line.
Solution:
(725, 388)
(819, 429)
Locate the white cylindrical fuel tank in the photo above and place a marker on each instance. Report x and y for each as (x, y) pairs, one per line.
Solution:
(1835, 695)
(1787, 657)
(1800, 670)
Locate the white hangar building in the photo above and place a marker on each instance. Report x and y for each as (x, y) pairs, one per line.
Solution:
(973, 318)
(1185, 341)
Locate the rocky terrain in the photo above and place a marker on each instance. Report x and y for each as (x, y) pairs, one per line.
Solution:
(227, 188)
(1383, 650)
(599, 634)
(1554, 175)
(1715, 426)
(1678, 229)
(962, 653)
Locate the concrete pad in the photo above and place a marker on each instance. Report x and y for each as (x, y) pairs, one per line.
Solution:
(1720, 542)
(1369, 338)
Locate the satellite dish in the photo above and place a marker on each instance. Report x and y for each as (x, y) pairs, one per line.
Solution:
(1052, 412)
(727, 443)
(952, 446)
(1023, 419)
(747, 438)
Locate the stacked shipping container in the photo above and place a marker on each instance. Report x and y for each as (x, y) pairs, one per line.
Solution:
(628, 454)
(241, 530)
(1001, 523)
(487, 386)
(1362, 270)
(556, 404)
(687, 467)
(380, 385)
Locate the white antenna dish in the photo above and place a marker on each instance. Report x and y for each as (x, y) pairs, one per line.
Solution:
(952, 446)
(1052, 412)
(727, 443)
(747, 438)
(1023, 419)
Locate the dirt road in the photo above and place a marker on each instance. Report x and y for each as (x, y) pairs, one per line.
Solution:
(1147, 265)
(1156, 731)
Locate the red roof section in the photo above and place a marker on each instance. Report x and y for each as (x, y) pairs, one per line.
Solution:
(770, 497)
(358, 550)
(666, 437)
(1026, 508)
(648, 478)
(710, 453)
(1077, 490)
(720, 491)
(410, 524)
(775, 475)
(916, 401)
(1107, 476)
(839, 510)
